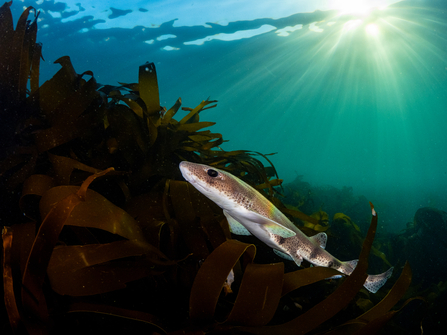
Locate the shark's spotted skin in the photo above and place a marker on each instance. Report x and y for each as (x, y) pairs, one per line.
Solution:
(248, 212)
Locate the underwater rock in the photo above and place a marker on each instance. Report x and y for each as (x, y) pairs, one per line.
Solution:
(429, 222)
(425, 248)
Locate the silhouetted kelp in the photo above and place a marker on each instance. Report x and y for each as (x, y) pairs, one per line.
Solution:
(101, 245)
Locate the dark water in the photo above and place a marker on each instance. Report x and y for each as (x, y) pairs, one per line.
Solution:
(358, 104)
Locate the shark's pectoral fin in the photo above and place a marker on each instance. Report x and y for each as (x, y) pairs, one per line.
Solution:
(235, 226)
(320, 239)
(280, 230)
(269, 225)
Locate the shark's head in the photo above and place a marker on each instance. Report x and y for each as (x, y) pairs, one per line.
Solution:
(219, 186)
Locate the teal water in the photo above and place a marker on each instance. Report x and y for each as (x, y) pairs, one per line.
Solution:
(357, 103)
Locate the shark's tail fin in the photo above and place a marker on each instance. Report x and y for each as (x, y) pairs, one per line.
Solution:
(374, 282)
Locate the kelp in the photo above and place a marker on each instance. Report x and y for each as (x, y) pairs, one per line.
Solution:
(33, 299)
(101, 222)
(323, 222)
(8, 284)
(352, 233)
(19, 61)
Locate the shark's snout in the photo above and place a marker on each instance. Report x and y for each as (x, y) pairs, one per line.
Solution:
(186, 172)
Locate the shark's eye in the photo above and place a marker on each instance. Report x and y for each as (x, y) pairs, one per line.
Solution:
(212, 173)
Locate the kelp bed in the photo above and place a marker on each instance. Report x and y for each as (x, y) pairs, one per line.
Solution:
(102, 234)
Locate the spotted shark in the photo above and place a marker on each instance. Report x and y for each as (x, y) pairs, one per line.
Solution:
(248, 212)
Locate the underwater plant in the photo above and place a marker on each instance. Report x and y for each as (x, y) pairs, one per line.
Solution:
(100, 231)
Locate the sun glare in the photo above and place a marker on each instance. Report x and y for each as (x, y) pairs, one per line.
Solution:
(372, 29)
(358, 7)
(352, 24)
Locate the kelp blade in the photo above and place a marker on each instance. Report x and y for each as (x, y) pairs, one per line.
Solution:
(258, 296)
(99, 268)
(8, 284)
(81, 307)
(35, 270)
(211, 277)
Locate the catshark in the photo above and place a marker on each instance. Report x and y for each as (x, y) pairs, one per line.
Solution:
(248, 212)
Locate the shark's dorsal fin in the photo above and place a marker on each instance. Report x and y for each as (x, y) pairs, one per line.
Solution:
(320, 239)
(235, 227)
(267, 224)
